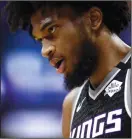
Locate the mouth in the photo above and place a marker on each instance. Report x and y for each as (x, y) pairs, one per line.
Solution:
(59, 64)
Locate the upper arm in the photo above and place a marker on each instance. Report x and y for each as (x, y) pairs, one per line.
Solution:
(67, 113)
(66, 116)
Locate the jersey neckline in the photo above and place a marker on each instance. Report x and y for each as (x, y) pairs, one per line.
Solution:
(94, 93)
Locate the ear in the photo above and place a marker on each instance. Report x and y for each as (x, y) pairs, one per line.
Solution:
(94, 18)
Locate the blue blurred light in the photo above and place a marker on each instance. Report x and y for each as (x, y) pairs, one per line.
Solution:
(32, 124)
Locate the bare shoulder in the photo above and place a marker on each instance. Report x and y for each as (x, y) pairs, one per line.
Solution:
(67, 111)
(70, 97)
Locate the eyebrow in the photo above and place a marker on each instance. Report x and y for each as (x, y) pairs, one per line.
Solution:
(46, 22)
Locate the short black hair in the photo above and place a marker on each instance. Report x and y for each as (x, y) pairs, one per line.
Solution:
(116, 14)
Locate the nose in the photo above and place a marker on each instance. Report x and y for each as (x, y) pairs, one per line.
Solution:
(47, 51)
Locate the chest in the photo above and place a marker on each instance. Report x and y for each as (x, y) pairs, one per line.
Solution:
(103, 117)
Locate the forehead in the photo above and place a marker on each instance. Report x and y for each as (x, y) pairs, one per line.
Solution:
(54, 14)
(38, 19)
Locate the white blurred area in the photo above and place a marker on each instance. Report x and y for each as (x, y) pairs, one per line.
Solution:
(27, 116)
(27, 72)
(32, 124)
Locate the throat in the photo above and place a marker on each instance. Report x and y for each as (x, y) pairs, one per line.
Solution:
(105, 67)
(91, 86)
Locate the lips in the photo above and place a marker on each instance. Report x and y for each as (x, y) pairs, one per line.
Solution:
(59, 64)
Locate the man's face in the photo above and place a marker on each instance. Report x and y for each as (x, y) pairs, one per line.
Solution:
(63, 41)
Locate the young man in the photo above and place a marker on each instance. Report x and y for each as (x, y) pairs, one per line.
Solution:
(80, 39)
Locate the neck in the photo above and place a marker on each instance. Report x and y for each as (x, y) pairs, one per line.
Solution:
(111, 49)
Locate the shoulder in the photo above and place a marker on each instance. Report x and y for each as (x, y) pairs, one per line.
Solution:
(69, 105)
(67, 111)
(70, 97)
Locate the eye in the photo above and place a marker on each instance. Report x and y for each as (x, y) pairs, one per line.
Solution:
(52, 29)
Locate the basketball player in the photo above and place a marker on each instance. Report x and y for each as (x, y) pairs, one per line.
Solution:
(81, 41)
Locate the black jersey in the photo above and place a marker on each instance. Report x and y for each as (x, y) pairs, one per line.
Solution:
(105, 111)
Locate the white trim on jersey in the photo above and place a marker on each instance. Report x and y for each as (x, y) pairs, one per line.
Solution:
(94, 93)
(75, 102)
(127, 96)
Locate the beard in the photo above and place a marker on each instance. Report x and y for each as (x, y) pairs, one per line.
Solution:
(84, 69)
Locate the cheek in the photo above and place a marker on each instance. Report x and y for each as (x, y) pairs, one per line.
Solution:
(69, 43)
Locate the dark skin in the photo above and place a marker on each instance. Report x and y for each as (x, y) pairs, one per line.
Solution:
(55, 44)
(63, 38)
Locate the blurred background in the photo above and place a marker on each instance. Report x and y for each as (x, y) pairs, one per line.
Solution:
(32, 92)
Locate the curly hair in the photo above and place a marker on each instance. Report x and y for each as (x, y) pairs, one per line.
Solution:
(116, 14)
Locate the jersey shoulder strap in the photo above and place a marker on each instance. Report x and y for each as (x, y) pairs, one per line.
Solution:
(127, 92)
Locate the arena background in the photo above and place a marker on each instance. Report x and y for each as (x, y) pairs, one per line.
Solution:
(32, 92)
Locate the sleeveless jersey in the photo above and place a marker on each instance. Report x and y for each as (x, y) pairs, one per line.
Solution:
(105, 111)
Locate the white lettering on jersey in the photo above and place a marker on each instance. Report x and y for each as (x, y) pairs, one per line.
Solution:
(78, 131)
(116, 122)
(113, 87)
(99, 125)
(88, 124)
(72, 133)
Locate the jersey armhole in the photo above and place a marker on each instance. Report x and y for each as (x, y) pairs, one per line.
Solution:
(75, 102)
(127, 93)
